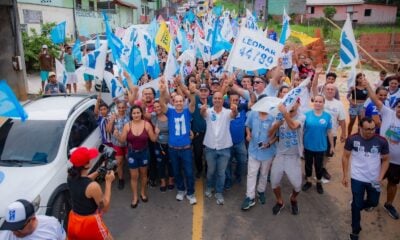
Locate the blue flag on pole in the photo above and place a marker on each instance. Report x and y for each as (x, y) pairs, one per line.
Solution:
(76, 50)
(218, 42)
(57, 34)
(285, 28)
(9, 104)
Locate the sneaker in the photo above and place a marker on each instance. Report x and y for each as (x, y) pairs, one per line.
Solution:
(391, 211)
(277, 208)
(261, 197)
(369, 209)
(353, 236)
(208, 192)
(248, 203)
(220, 198)
(180, 195)
(192, 199)
(294, 207)
(320, 190)
(325, 174)
(121, 184)
(306, 186)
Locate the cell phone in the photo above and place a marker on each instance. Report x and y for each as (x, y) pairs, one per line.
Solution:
(260, 144)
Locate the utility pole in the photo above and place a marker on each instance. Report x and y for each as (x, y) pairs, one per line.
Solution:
(266, 14)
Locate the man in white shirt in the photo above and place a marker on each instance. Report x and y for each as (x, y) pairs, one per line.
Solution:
(217, 143)
(21, 223)
(336, 109)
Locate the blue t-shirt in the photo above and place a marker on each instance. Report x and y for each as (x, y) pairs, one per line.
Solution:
(178, 127)
(198, 122)
(316, 131)
(238, 125)
(259, 133)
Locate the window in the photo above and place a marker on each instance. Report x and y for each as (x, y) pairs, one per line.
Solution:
(83, 126)
(78, 3)
(91, 5)
(350, 9)
(311, 10)
(367, 12)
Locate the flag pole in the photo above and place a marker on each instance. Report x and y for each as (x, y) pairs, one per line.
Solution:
(359, 46)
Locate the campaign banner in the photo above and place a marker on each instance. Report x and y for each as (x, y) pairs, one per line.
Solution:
(253, 51)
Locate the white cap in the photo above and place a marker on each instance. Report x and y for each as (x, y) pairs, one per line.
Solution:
(17, 214)
(44, 46)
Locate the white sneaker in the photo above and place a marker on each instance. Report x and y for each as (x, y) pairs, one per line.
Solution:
(181, 195)
(220, 198)
(208, 192)
(192, 199)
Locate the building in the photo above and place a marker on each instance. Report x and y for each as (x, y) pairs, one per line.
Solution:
(275, 7)
(359, 11)
(84, 17)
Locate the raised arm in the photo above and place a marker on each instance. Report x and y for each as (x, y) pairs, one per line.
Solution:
(164, 96)
(133, 91)
(292, 124)
(314, 85)
(372, 94)
(192, 90)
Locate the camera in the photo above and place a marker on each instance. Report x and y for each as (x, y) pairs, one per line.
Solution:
(107, 161)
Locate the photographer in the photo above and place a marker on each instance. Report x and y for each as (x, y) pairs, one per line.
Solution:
(88, 200)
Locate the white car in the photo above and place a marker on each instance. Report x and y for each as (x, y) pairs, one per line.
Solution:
(34, 154)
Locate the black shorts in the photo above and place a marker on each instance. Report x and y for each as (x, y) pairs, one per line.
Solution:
(327, 153)
(393, 173)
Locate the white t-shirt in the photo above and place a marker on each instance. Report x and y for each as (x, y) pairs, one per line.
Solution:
(48, 228)
(390, 129)
(336, 109)
(218, 135)
(287, 59)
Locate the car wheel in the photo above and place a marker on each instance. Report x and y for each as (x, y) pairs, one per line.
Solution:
(61, 208)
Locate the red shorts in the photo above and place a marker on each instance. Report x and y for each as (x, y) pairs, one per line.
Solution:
(120, 151)
(89, 227)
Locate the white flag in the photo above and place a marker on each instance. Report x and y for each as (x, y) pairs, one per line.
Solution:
(253, 51)
(115, 86)
(348, 47)
(172, 65)
(96, 61)
(61, 73)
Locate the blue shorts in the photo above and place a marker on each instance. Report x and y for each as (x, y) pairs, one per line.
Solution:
(44, 75)
(138, 158)
(355, 110)
(88, 77)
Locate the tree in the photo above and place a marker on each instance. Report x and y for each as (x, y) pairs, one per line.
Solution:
(329, 12)
(33, 43)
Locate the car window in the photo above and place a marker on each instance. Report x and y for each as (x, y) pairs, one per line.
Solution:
(82, 127)
(29, 142)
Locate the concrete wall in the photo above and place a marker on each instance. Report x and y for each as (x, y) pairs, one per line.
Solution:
(275, 7)
(49, 14)
(10, 38)
(379, 13)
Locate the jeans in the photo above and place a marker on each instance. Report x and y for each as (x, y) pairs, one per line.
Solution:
(182, 158)
(239, 152)
(163, 161)
(217, 160)
(359, 203)
(153, 163)
(198, 150)
(316, 158)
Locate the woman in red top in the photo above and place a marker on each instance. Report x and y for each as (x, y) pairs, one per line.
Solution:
(137, 133)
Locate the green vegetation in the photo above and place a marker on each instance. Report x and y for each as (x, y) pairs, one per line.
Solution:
(33, 42)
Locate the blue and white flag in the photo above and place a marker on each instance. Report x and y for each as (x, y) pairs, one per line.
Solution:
(348, 46)
(9, 104)
(61, 72)
(115, 86)
(182, 40)
(153, 28)
(97, 43)
(218, 43)
(203, 48)
(57, 33)
(96, 62)
(296, 93)
(252, 51)
(285, 28)
(114, 43)
(76, 50)
(226, 30)
(251, 21)
(172, 65)
(351, 80)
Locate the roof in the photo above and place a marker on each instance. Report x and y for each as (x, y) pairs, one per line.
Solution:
(125, 3)
(52, 108)
(333, 2)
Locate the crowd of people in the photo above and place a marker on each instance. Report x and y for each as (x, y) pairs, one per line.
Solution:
(202, 125)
